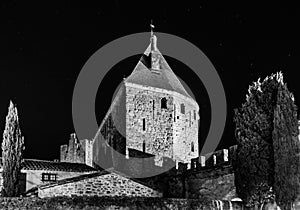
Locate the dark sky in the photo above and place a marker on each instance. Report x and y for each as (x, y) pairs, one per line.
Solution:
(44, 45)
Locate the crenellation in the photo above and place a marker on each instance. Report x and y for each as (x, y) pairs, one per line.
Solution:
(221, 156)
(213, 159)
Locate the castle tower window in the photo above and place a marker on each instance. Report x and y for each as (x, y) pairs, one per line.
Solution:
(163, 103)
(192, 147)
(174, 113)
(182, 108)
(153, 107)
(190, 118)
(144, 146)
(144, 124)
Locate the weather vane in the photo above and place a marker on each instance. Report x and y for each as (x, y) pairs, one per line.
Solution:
(152, 27)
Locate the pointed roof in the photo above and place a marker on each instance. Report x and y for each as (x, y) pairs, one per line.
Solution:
(153, 70)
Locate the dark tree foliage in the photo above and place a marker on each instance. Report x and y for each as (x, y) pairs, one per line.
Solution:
(261, 130)
(286, 149)
(12, 147)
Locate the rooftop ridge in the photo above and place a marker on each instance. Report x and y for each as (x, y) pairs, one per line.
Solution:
(32, 159)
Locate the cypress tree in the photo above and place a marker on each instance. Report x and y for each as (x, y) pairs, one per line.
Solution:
(266, 163)
(286, 149)
(253, 162)
(12, 147)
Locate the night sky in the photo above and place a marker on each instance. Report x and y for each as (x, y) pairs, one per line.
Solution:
(44, 45)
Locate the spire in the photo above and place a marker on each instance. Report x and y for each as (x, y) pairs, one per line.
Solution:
(155, 59)
(152, 27)
(153, 39)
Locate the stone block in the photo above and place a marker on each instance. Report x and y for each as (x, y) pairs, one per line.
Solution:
(202, 161)
(221, 156)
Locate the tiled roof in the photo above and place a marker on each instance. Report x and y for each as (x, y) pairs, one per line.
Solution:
(164, 78)
(30, 164)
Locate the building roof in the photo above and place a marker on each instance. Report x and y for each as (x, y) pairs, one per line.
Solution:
(31, 164)
(160, 76)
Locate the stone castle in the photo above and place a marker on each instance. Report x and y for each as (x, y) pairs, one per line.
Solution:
(152, 113)
(152, 123)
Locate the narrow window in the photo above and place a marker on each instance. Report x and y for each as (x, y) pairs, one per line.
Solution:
(144, 124)
(192, 147)
(190, 118)
(182, 108)
(163, 103)
(195, 117)
(174, 113)
(153, 107)
(144, 146)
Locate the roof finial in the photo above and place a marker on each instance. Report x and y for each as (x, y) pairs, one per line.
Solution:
(152, 27)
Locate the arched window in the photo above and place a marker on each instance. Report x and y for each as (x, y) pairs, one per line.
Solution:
(163, 103)
(192, 147)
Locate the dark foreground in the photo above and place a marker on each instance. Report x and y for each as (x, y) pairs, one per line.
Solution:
(109, 203)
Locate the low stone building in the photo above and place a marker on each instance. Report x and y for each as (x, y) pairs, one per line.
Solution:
(37, 172)
(104, 183)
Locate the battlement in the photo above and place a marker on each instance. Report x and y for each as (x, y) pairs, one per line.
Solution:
(211, 160)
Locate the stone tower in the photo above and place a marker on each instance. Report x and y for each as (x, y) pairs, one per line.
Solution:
(77, 151)
(152, 113)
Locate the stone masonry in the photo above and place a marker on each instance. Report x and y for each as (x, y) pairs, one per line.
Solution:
(151, 113)
(149, 128)
(78, 151)
(98, 184)
(162, 123)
